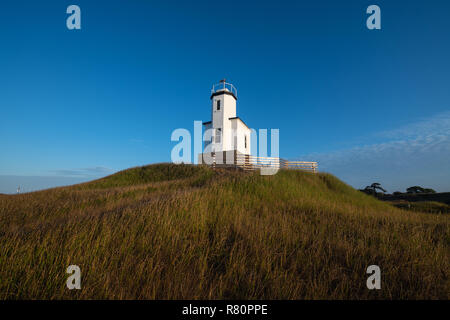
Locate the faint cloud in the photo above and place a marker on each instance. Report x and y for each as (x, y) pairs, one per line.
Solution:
(418, 153)
(56, 178)
(435, 125)
(83, 172)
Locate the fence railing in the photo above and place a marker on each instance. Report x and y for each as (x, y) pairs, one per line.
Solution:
(249, 163)
(224, 86)
(302, 165)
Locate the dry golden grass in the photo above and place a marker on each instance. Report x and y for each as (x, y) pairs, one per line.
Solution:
(188, 232)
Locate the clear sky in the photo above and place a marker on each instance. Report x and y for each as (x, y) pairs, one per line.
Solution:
(369, 105)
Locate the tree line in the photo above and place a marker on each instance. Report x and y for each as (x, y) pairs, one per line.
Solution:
(376, 188)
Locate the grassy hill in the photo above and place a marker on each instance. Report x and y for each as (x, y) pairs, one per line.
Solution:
(187, 232)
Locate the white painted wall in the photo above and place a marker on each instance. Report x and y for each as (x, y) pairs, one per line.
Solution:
(240, 131)
(229, 112)
(229, 128)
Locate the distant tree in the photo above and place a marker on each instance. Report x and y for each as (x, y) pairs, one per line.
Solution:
(418, 189)
(372, 189)
(415, 189)
(376, 186)
(397, 193)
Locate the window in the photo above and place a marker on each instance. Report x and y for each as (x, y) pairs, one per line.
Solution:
(218, 134)
(218, 105)
(245, 142)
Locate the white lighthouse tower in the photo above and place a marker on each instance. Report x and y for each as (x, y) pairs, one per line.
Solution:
(227, 135)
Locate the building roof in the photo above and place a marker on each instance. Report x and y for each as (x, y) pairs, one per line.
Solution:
(223, 91)
(233, 118)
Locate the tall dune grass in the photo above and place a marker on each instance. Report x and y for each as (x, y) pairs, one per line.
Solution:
(188, 232)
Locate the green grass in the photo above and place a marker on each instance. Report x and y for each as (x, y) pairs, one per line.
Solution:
(189, 232)
(146, 174)
(422, 206)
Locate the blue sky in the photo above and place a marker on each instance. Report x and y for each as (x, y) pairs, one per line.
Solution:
(368, 105)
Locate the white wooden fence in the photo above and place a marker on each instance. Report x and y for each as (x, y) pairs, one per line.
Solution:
(249, 163)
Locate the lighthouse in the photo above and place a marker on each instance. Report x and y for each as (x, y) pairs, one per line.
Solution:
(226, 135)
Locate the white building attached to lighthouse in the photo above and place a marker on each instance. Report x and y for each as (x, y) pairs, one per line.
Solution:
(226, 135)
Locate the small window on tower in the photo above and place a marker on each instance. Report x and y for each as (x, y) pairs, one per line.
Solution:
(218, 104)
(245, 142)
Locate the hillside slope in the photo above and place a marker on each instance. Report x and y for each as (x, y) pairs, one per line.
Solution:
(187, 232)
